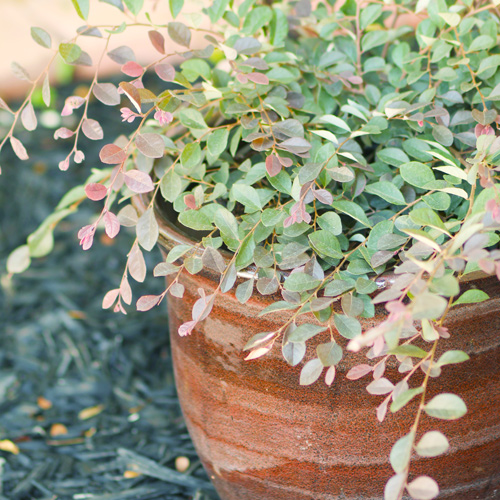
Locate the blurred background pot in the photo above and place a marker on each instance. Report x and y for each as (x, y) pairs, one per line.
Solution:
(262, 436)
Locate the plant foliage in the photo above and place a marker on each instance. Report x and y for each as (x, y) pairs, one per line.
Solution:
(322, 147)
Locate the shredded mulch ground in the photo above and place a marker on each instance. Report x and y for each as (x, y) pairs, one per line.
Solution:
(88, 408)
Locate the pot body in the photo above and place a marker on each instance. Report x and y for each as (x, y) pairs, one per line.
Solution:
(262, 436)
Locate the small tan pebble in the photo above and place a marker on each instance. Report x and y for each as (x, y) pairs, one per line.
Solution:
(58, 430)
(182, 464)
(90, 412)
(8, 445)
(129, 474)
(44, 403)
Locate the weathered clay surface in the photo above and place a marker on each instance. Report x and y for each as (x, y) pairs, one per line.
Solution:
(261, 436)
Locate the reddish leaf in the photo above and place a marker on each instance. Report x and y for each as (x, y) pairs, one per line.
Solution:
(96, 192)
(258, 78)
(285, 161)
(273, 165)
(112, 154)
(110, 298)
(132, 69)
(190, 201)
(358, 371)
(157, 40)
(132, 93)
(150, 145)
(64, 164)
(136, 264)
(28, 117)
(242, 78)
(107, 93)
(323, 196)
(92, 129)
(138, 182)
(18, 148)
(186, 328)
(111, 224)
(165, 71)
(147, 302)
(86, 235)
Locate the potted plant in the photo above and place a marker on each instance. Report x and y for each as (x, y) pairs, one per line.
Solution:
(323, 182)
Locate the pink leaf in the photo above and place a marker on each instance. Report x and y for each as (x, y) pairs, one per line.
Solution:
(273, 165)
(111, 224)
(132, 69)
(138, 182)
(380, 386)
(165, 71)
(64, 164)
(28, 117)
(18, 148)
(358, 371)
(79, 156)
(95, 192)
(150, 145)
(258, 78)
(157, 40)
(112, 154)
(86, 235)
(186, 328)
(323, 196)
(147, 302)
(63, 133)
(285, 161)
(126, 291)
(260, 351)
(382, 409)
(177, 290)
(330, 375)
(242, 79)
(71, 103)
(92, 129)
(107, 93)
(110, 298)
(136, 264)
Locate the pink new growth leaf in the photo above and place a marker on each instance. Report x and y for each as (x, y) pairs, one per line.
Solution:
(95, 192)
(111, 224)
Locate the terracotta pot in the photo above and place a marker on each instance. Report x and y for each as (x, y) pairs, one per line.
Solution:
(261, 436)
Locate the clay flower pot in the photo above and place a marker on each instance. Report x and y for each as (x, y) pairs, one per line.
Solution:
(262, 436)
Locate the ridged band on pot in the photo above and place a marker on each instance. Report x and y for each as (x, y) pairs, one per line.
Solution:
(262, 436)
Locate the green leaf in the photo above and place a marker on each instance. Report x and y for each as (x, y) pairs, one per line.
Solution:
(393, 156)
(409, 350)
(417, 174)
(336, 121)
(19, 260)
(195, 219)
(369, 15)
(329, 354)
(134, 6)
(82, 8)
(179, 33)
(301, 282)
(353, 210)
(293, 352)
(373, 39)
(432, 444)
(404, 398)
(401, 452)
(453, 356)
(305, 332)
(245, 254)
(387, 191)
(347, 327)
(226, 222)
(170, 186)
(325, 244)
(427, 217)
(217, 9)
(257, 19)
(217, 142)
(338, 287)
(247, 196)
(310, 372)
(446, 406)
(278, 27)
(364, 286)
(191, 155)
(175, 7)
(442, 134)
(41, 37)
(70, 52)
(192, 118)
(471, 297)
(481, 42)
(330, 221)
(489, 64)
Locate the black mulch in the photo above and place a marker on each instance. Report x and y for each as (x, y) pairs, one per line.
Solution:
(88, 408)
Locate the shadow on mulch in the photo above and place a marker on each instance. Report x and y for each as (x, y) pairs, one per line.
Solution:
(88, 408)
